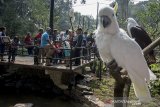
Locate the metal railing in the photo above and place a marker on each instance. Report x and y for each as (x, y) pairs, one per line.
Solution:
(85, 58)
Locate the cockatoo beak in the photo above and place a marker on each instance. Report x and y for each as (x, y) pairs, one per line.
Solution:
(106, 21)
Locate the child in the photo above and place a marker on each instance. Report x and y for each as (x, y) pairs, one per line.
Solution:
(58, 52)
(13, 49)
(66, 46)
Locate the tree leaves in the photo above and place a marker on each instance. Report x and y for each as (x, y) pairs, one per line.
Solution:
(150, 18)
(21, 16)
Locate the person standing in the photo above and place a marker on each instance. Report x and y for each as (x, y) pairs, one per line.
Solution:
(37, 43)
(2, 45)
(66, 35)
(84, 45)
(47, 49)
(78, 46)
(13, 49)
(54, 35)
(67, 46)
(29, 43)
(37, 38)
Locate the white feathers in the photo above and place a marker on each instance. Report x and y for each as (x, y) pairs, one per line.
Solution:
(152, 76)
(114, 43)
(114, 27)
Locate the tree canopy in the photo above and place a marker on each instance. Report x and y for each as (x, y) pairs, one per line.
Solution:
(147, 14)
(22, 16)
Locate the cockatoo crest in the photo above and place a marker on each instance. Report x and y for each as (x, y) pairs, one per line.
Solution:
(107, 21)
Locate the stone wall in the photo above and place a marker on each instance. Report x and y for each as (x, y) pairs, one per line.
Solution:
(27, 80)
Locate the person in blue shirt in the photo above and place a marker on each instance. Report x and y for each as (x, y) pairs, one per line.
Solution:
(47, 49)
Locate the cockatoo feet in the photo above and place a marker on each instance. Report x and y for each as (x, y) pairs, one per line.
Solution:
(112, 64)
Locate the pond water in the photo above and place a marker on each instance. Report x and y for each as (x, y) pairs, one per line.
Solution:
(11, 100)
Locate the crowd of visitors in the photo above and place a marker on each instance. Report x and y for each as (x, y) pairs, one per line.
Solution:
(58, 46)
(50, 48)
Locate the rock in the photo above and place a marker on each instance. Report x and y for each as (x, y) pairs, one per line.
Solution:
(93, 101)
(62, 86)
(87, 93)
(88, 69)
(83, 87)
(24, 105)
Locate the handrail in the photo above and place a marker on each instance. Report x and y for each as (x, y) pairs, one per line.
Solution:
(22, 46)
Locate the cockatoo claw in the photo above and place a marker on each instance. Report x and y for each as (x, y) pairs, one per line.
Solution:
(112, 64)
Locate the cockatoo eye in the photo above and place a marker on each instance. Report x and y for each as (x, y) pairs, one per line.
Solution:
(105, 20)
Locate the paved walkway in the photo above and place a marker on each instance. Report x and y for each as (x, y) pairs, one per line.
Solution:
(25, 60)
(28, 60)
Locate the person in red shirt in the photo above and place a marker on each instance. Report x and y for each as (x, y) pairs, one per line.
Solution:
(29, 43)
(37, 43)
(58, 51)
(37, 38)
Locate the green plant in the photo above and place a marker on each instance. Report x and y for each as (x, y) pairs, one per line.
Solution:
(155, 85)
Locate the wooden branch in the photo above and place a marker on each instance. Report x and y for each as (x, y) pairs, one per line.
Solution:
(151, 46)
(114, 70)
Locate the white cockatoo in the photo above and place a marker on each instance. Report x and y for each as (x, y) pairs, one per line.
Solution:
(114, 43)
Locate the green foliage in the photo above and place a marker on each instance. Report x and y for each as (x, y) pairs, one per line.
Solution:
(103, 89)
(146, 13)
(97, 68)
(87, 23)
(18, 16)
(155, 85)
(122, 23)
(150, 18)
(22, 16)
(155, 67)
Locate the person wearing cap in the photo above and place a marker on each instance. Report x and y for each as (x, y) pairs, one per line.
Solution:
(47, 49)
